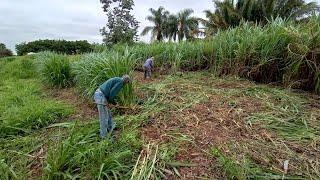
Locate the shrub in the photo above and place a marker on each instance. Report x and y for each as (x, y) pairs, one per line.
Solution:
(55, 69)
(4, 52)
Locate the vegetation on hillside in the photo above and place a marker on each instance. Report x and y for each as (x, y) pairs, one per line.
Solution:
(241, 129)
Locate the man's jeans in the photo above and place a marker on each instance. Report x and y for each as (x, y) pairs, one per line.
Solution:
(147, 72)
(104, 113)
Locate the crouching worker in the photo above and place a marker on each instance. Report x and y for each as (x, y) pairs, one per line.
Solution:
(105, 94)
(147, 66)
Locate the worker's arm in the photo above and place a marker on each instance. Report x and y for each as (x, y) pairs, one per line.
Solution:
(151, 64)
(114, 91)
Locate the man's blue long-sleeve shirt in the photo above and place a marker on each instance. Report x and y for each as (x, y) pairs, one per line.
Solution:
(111, 88)
(148, 63)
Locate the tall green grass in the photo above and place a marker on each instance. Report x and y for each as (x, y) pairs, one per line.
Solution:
(55, 69)
(281, 51)
(95, 68)
(81, 154)
(23, 105)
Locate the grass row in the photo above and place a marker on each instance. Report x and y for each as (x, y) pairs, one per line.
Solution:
(279, 52)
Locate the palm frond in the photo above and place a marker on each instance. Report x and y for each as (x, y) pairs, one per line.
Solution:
(146, 30)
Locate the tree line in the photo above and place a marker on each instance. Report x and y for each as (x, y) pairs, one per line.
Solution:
(59, 46)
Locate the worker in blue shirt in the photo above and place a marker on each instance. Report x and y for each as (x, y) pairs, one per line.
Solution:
(105, 94)
(148, 65)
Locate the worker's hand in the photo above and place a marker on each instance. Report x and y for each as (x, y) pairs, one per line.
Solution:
(114, 103)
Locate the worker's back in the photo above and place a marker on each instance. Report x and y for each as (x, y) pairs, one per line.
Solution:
(111, 87)
(148, 63)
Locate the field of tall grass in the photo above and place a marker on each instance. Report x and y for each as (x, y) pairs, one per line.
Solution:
(281, 52)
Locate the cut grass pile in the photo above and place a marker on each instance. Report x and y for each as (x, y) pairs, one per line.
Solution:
(252, 129)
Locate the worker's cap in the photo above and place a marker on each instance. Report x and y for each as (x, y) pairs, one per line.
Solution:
(126, 77)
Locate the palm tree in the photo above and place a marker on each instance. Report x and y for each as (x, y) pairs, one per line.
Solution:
(229, 13)
(171, 27)
(289, 9)
(158, 18)
(186, 24)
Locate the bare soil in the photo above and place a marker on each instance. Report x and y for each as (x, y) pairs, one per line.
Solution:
(209, 124)
(36, 162)
(84, 109)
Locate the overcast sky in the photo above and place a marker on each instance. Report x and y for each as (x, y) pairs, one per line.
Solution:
(29, 20)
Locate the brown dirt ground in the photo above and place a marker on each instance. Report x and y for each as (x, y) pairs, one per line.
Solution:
(36, 162)
(138, 77)
(211, 123)
(84, 110)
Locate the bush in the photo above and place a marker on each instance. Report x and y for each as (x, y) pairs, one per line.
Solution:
(55, 69)
(4, 52)
(95, 68)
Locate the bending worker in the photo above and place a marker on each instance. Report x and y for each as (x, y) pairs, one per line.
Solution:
(148, 65)
(105, 94)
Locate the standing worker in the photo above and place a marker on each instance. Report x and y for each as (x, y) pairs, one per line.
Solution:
(148, 65)
(105, 94)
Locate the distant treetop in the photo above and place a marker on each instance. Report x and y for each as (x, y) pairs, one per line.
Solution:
(59, 46)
